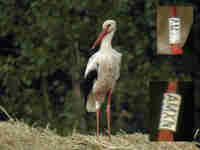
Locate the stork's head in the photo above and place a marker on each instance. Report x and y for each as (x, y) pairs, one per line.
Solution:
(108, 27)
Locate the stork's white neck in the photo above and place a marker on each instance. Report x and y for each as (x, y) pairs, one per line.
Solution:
(106, 42)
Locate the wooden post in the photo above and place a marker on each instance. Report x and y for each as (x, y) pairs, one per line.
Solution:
(166, 134)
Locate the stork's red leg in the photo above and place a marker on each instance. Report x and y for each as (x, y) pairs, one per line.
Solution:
(97, 113)
(108, 111)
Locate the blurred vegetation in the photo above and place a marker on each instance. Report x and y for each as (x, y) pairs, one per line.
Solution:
(44, 51)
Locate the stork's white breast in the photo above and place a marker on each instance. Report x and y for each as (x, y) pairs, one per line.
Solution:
(108, 72)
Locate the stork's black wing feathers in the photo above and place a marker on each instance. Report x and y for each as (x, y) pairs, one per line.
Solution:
(87, 84)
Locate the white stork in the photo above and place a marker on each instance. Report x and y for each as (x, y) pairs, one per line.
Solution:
(102, 72)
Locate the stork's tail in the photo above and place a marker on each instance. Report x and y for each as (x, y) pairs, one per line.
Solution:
(91, 102)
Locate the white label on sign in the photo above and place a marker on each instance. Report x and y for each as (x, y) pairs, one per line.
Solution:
(170, 111)
(174, 30)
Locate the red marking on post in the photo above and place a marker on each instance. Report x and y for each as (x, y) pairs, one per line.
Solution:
(165, 135)
(173, 11)
(172, 86)
(175, 49)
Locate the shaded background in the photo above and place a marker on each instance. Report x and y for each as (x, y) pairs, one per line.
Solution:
(44, 50)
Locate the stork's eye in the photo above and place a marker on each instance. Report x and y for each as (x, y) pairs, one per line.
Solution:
(108, 25)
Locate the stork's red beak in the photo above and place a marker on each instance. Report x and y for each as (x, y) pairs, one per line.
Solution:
(100, 37)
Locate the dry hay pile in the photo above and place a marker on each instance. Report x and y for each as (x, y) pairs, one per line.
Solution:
(16, 135)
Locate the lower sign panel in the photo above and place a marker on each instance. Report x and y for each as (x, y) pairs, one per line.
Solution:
(170, 111)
